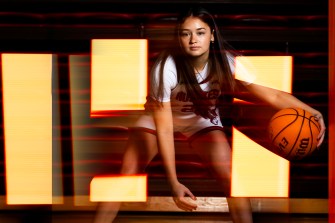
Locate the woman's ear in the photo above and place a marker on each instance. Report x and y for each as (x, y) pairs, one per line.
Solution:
(212, 36)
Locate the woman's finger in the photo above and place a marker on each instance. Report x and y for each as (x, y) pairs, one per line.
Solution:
(318, 117)
(321, 137)
(190, 194)
(184, 204)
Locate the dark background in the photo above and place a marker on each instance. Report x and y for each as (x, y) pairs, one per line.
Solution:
(297, 28)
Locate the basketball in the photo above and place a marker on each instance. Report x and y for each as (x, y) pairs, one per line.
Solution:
(293, 133)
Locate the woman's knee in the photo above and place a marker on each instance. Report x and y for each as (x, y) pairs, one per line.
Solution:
(131, 161)
(130, 168)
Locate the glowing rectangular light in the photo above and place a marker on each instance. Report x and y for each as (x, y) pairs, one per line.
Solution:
(272, 71)
(27, 111)
(119, 188)
(118, 75)
(256, 172)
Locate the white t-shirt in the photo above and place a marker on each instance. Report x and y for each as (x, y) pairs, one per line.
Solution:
(184, 118)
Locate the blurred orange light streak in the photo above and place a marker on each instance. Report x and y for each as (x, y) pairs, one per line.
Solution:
(118, 75)
(27, 110)
(256, 172)
(119, 188)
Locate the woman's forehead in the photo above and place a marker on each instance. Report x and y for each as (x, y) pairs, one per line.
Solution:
(193, 23)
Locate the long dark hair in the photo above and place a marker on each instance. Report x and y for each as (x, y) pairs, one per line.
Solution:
(218, 64)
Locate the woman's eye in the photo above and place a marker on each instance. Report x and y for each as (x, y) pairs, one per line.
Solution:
(201, 33)
(185, 34)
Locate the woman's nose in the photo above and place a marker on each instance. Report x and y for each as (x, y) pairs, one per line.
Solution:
(193, 39)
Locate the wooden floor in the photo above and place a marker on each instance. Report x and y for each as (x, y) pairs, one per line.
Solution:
(163, 210)
(126, 217)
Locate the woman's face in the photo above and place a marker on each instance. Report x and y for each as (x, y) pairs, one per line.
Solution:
(195, 37)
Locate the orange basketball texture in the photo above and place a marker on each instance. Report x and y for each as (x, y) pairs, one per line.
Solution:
(293, 132)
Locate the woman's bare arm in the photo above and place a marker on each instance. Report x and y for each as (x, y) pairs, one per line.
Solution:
(165, 139)
(280, 100)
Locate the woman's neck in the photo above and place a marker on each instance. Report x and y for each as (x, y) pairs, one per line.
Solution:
(199, 64)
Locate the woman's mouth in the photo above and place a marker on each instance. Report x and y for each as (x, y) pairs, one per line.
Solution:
(193, 48)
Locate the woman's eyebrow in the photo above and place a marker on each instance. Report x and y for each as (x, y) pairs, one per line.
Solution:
(198, 29)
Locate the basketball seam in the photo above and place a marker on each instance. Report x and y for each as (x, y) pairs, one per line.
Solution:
(296, 139)
(284, 128)
(311, 132)
(313, 126)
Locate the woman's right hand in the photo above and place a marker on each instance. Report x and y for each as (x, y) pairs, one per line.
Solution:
(180, 192)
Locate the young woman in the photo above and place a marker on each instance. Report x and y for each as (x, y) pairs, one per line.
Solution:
(185, 86)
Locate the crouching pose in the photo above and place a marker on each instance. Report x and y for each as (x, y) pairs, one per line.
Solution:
(185, 85)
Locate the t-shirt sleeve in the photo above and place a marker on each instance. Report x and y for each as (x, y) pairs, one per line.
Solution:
(169, 80)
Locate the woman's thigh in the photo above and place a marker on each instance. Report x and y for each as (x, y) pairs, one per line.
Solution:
(141, 148)
(214, 149)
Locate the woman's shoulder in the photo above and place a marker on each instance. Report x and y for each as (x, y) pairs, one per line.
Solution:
(165, 60)
(170, 69)
(168, 66)
(170, 62)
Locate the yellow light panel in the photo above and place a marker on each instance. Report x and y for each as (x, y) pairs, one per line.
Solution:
(27, 110)
(119, 188)
(271, 71)
(118, 75)
(256, 172)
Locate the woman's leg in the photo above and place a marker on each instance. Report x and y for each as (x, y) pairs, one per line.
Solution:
(214, 149)
(140, 150)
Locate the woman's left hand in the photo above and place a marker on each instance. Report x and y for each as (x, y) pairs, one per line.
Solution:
(180, 192)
